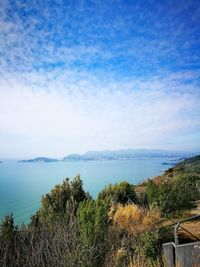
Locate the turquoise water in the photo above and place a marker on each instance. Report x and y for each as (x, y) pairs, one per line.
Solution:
(23, 184)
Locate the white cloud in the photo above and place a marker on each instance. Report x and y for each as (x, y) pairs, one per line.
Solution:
(74, 116)
(74, 78)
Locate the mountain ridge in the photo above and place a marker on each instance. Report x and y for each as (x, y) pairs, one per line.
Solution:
(126, 154)
(121, 154)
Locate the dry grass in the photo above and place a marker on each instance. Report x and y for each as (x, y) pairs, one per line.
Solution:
(139, 260)
(192, 227)
(134, 220)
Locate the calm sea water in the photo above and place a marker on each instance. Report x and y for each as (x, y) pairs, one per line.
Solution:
(23, 184)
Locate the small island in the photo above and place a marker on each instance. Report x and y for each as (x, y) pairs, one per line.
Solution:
(39, 159)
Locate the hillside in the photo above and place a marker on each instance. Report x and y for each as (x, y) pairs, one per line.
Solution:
(177, 193)
(187, 168)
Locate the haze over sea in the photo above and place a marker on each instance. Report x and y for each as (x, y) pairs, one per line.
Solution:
(23, 184)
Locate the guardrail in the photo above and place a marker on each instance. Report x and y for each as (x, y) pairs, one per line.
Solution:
(184, 255)
(176, 228)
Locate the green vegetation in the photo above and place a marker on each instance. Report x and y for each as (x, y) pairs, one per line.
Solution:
(63, 200)
(92, 219)
(116, 229)
(119, 193)
(177, 189)
(149, 245)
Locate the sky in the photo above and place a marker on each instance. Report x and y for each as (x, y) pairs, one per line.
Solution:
(91, 75)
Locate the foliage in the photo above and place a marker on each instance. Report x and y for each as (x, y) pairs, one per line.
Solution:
(7, 239)
(119, 193)
(62, 200)
(149, 244)
(191, 165)
(151, 191)
(93, 225)
(174, 195)
(7, 227)
(57, 244)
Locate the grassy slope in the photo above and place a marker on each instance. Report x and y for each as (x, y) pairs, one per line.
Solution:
(188, 167)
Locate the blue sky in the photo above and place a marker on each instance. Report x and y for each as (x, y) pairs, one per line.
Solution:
(82, 75)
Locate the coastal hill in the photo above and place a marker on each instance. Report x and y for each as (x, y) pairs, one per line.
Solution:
(189, 168)
(125, 154)
(177, 189)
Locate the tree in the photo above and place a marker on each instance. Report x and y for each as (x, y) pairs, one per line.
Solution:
(119, 193)
(149, 244)
(93, 224)
(174, 195)
(8, 232)
(152, 192)
(62, 200)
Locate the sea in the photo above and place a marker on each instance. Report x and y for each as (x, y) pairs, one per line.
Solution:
(23, 184)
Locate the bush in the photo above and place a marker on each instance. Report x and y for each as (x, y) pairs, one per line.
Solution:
(174, 195)
(149, 245)
(119, 193)
(128, 218)
(92, 219)
(8, 233)
(61, 201)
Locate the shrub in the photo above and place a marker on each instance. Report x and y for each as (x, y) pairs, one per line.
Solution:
(62, 200)
(149, 245)
(128, 218)
(93, 225)
(8, 232)
(119, 193)
(174, 195)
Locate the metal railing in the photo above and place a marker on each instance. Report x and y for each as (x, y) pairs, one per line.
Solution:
(176, 240)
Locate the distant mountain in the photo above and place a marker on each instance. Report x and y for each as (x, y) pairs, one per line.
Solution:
(1, 162)
(125, 154)
(40, 159)
(122, 154)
